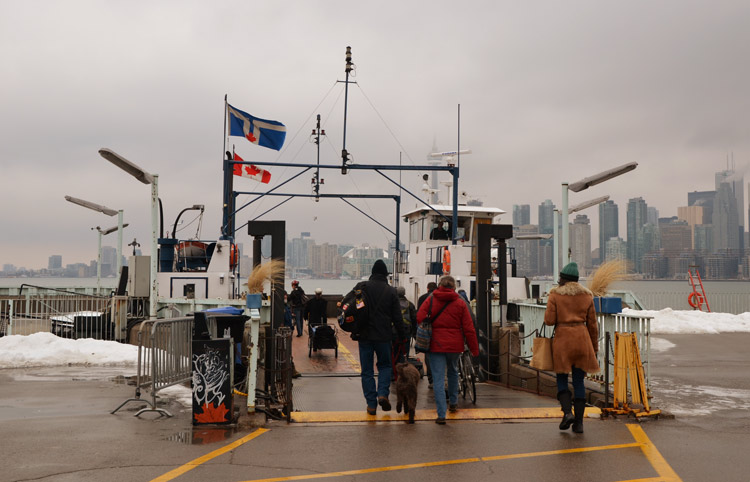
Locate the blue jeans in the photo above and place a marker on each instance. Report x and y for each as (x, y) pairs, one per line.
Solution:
(368, 350)
(297, 313)
(438, 364)
(579, 391)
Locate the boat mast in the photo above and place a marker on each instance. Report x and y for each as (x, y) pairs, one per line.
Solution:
(349, 67)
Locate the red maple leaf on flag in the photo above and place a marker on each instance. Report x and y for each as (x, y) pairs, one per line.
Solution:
(212, 414)
(250, 137)
(252, 170)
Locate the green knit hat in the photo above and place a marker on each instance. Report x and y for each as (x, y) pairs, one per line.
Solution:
(570, 272)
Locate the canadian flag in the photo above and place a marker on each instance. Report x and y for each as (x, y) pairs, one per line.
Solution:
(250, 171)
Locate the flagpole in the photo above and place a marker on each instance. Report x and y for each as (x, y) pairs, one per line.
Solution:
(227, 232)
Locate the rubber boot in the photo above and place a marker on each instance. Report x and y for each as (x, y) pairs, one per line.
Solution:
(579, 404)
(565, 402)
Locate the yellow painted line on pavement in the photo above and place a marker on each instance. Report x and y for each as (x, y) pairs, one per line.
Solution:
(653, 455)
(443, 463)
(350, 358)
(172, 474)
(422, 415)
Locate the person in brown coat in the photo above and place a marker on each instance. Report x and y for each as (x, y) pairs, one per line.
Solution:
(570, 308)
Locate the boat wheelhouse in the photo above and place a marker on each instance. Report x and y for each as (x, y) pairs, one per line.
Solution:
(431, 253)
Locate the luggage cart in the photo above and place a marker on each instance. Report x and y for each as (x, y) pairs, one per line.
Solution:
(322, 337)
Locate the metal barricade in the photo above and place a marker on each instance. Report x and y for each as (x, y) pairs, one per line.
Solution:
(277, 401)
(63, 313)
(164, 359)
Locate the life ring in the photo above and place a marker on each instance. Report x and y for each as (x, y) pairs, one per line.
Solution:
(446, 262)
(695, 300)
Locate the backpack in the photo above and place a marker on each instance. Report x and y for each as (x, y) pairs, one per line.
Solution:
(355, 311)
(406, 316)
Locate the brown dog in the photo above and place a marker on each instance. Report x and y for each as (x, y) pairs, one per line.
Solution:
(406, 389)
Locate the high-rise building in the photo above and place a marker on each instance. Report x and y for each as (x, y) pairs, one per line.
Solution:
(580, 241)
(736, 183)
(521, 214)
(692, 215)
(703, 237)
(109, 261)
(676, 236)
(54, 262)
(609, 226)
(546, 217)
(704, 199)
(616, 249)
(652, 216)
(726, 220)
(636, 220)
(527, 251)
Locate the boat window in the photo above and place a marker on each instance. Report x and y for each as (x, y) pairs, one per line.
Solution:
(416, 230)
(440, 228)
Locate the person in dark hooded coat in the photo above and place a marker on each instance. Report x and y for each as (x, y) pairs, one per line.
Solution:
(375, 339)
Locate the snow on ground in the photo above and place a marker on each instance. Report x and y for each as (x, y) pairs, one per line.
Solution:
(47, 350)
(670, 322)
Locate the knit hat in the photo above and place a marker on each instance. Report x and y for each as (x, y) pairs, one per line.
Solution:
(570, 272)
(401, 291)
(380, 268)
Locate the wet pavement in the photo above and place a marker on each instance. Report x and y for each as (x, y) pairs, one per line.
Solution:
(56, 425)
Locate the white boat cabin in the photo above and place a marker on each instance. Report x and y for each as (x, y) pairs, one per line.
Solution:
(431, 254)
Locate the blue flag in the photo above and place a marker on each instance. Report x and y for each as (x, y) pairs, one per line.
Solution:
(266, 133)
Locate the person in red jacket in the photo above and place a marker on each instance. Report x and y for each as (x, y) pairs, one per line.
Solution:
(450, 330)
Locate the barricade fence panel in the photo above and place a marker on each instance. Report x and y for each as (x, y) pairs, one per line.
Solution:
(164, 358)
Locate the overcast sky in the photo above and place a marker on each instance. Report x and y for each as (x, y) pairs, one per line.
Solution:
(549, 92)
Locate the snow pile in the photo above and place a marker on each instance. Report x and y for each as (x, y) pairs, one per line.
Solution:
(46, 350)
(669, 321)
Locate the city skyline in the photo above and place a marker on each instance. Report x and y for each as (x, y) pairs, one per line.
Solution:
(549, 92)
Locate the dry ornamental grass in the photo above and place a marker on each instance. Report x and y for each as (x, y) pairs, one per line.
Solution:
(605, 275)
(272, 271)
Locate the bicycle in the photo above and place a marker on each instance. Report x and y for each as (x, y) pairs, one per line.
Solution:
(467, 377)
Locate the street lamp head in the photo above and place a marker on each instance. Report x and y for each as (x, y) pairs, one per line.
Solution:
(601, 177)
(588, 204)
(523, 237)
(92, 206)
(110, 230)
(126, 166)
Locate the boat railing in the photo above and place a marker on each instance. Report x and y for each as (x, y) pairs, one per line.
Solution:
(531, 318)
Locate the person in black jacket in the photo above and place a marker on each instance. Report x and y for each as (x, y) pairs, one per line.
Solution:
(316, 311)
(297, 300)
(375, 339)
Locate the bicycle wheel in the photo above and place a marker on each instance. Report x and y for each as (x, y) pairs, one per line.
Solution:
(471, 378)
(462, 385)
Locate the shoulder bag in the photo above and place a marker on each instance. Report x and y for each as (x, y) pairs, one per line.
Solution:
(541, 358)
(424, 329)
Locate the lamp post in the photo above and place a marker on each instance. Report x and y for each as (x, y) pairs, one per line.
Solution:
(145, 178)
(571, 210)
(580, 186)
(108, 212)
(104, 232)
